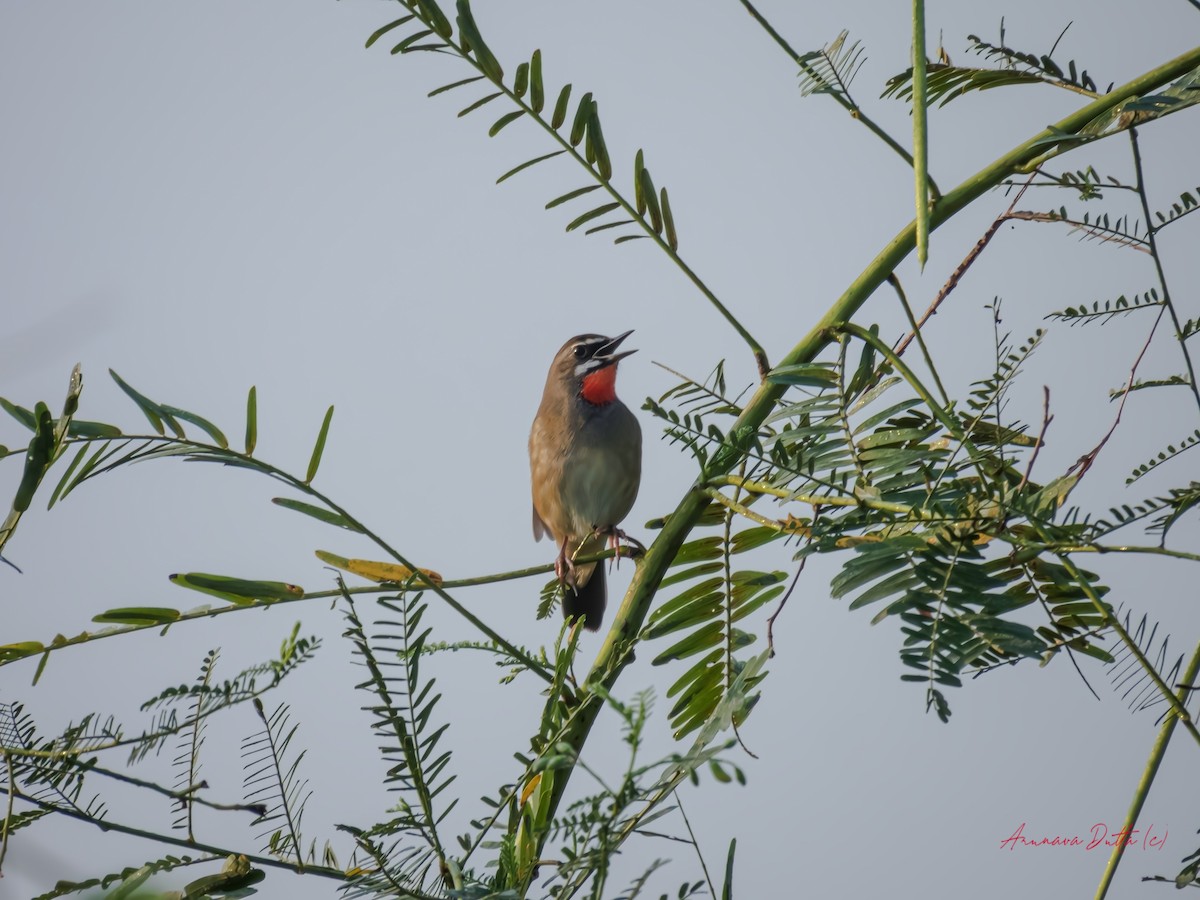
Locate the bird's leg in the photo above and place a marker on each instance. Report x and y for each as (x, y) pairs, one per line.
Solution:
(564, 566)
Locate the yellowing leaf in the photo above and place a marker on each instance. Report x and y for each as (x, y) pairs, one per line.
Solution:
(376, 571)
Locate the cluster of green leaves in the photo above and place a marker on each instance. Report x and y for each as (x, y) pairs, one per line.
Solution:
(938, 526)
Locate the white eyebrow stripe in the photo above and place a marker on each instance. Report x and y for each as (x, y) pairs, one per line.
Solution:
(588, 365)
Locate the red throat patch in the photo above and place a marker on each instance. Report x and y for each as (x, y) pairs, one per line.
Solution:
(600, 387)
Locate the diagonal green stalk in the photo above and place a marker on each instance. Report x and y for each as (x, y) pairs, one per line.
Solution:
(920, 107)
(617, 650)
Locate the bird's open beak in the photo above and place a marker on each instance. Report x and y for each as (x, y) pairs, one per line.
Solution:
(604, 353)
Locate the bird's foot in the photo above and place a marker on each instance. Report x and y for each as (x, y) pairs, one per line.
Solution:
(615, 535)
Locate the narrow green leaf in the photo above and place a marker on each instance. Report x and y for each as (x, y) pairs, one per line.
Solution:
(323, 515)
(616, 224)
(315, 461)
(138, 615)
(639, 195)
(251, 420)
(537, 93)
(701, 639)
(571, 195)
(503, 121)
(83, 448)
(81, 428)
(668, 220)
(20, 650)
(521, 80)
(200, 422)
(579, 126)
(37, 458)
(592, 214)
(560, 107)
(599, 149)
(727, 884)
(453, 85)
(525, 165)
(470, 30)
(23, 415)
(41, 667)
(380, 32)
(411, 39)
(151, 410)
(651, 198)
(630, 237)
(478, 103)
(239, 589)
(436, 18)
(807, 374)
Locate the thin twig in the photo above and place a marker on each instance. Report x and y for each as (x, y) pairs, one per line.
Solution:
(958, 273)
(782, 603)
(916, 331)
(712, 891)
(1041, 438)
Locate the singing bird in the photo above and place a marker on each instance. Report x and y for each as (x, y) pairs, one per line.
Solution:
(585, 461)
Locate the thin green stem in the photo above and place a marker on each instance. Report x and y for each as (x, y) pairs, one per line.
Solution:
(1157, 752)
(1152, 240)
(916, 333)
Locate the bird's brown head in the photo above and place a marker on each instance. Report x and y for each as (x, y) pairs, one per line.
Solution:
(588, 362)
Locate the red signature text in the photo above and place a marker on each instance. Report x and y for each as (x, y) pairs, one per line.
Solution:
(1099, 837)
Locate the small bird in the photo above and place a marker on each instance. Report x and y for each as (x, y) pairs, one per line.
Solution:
(585, 459)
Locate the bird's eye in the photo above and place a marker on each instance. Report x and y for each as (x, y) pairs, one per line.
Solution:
(580, 351)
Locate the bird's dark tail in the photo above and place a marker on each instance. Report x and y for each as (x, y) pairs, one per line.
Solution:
(588, 600)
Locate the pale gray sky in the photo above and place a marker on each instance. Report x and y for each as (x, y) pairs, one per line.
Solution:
(209, 196)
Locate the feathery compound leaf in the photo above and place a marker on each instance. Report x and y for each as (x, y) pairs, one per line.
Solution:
(483, 55)
(830, 70)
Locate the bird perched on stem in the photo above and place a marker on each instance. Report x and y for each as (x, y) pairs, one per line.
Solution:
(585, 459)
